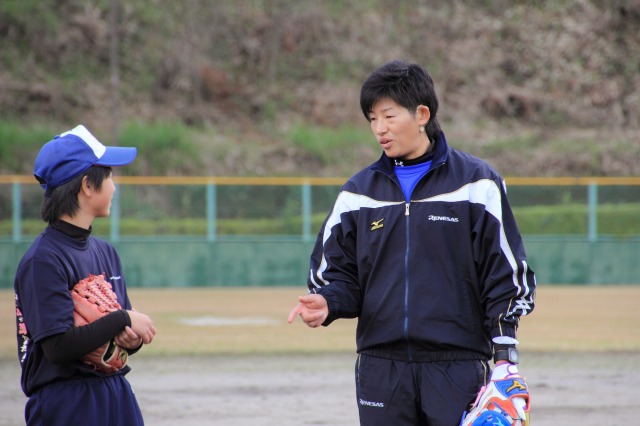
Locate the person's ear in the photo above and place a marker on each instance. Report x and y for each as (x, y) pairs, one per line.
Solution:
(86, 187)
(423, 114)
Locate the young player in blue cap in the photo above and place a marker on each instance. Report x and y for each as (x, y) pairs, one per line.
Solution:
(422, 247)
(75, 171)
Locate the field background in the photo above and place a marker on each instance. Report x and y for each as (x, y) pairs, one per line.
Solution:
(270, 88)
(226, 356)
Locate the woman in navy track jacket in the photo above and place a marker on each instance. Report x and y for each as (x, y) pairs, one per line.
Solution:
(422, 247)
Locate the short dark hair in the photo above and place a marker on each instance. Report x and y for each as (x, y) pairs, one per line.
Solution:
(407, 84)
(64, 198)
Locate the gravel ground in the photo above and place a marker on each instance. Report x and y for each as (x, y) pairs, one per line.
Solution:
(591, 389)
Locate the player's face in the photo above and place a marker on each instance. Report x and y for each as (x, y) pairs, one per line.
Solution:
(101, 203)
(398, 130)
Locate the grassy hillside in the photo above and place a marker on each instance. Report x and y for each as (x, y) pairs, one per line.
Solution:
(271, 87)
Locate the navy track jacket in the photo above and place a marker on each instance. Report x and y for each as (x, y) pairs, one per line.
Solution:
(442, 274)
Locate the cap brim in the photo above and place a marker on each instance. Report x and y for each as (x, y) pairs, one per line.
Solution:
(116, 156)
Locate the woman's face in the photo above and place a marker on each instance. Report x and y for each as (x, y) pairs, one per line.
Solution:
(398, 130)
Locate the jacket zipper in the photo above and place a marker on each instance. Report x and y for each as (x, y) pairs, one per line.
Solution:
(406, 284)
(406, 269)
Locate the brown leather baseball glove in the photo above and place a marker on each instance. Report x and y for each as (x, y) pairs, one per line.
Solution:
(94, 298)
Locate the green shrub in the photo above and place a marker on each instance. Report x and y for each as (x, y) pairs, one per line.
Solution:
(328, 143)
(19, 145)
(164, 148)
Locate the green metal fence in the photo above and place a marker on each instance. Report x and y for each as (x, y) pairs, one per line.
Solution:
(219, 231)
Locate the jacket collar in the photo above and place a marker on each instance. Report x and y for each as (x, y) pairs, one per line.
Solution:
(440, 154)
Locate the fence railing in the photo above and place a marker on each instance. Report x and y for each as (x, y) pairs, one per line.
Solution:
(210, 199)
(215, 231)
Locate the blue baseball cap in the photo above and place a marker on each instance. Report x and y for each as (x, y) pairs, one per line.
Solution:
(68, 155)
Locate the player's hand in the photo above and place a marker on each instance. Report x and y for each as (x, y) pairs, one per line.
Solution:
(505, 370)
(142, 326)
(128, 339)
(504, 400)
(312, 308)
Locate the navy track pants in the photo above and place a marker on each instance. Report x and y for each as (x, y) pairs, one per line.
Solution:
(400, 393)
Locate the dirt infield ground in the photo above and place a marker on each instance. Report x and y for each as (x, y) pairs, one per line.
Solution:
(295, 390)
(227, 357)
